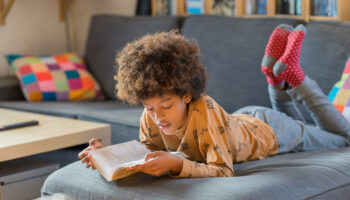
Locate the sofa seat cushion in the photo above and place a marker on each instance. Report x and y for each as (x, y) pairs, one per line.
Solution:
(64, 109)
(304, 175)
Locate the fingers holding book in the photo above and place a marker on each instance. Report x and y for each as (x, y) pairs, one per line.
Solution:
(84, 154)
(158, 163)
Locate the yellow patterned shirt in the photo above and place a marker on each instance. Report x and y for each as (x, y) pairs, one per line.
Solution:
(211, 139)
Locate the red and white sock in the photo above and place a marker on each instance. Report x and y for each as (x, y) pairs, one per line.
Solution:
(273, 51)
(288, 67)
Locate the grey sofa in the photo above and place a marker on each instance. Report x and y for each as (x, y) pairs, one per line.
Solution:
(231, 49)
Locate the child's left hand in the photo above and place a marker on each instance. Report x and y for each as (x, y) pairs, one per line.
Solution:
(158, 163)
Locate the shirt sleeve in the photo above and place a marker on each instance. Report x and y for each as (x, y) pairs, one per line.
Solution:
(215, 149)
(144, 135)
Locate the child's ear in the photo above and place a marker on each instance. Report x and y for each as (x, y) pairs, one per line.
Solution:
(187, 98)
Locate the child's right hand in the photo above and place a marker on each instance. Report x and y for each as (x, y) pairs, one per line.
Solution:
(84, 154)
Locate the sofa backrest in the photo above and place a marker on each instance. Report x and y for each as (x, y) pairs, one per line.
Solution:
(325, 51)
(232, 50)
(109, 34)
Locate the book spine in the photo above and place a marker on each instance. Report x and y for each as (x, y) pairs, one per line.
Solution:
(291, 5)
(315, 7)
(255, 7)
(284, 6)
(264, 7)
(278, 7)
(195, 6)
(248, 7)
(335, 7)
(330, 8)
(324, 11)
(261, 7)
(298, 7)
(258, 6)
(173, 7)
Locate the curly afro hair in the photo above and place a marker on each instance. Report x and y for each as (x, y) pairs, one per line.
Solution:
(157, 64)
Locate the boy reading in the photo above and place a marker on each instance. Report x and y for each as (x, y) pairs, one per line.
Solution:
(163, 72)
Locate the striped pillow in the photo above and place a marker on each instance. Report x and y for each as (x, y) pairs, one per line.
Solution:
(54, 78)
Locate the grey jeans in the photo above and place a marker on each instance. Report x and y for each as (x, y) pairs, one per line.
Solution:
(332, 130)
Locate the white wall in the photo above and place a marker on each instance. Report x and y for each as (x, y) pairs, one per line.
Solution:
(32, 26)
(83, 10)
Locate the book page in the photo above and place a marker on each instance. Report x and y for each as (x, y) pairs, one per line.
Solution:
(112, 157)
(112, 161)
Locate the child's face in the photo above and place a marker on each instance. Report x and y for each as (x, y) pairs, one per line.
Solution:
(168, 111)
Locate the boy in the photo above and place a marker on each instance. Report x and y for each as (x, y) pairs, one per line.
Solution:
(164, 73)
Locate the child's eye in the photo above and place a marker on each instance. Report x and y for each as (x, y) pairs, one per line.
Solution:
(168, 107)
(149, 109)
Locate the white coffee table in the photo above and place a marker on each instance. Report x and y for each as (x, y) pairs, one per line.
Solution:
(52, 133)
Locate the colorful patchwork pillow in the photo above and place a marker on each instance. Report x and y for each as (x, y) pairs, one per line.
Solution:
(54, 78)
(340, 93)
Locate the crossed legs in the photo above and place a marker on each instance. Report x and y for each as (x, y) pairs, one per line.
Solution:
(287, 85)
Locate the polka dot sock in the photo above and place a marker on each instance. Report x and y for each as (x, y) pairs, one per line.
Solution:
(287, 67)
(273, 51)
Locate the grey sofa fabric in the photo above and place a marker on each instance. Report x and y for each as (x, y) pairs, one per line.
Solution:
(109, 34)
(67, 109)
(305, 175)
(232, 51)
(235, 49)
(325, 51)
(125, 123)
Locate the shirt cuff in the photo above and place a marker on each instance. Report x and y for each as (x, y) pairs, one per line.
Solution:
(185, 171)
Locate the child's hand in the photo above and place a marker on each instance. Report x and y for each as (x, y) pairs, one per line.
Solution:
(84, 154)
(158, 163)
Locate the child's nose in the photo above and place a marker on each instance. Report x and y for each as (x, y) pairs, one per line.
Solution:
(159, 116)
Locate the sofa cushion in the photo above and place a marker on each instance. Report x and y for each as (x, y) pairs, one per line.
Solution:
(109, 34)
(340, 93)
(232, 50)
(125, 123)
(305, 175)
(64, 109)
(54, 78)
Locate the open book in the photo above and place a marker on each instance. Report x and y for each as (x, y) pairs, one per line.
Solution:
(112, 161)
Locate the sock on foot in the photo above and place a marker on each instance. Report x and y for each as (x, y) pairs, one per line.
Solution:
(288, 67)
(273, 51)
